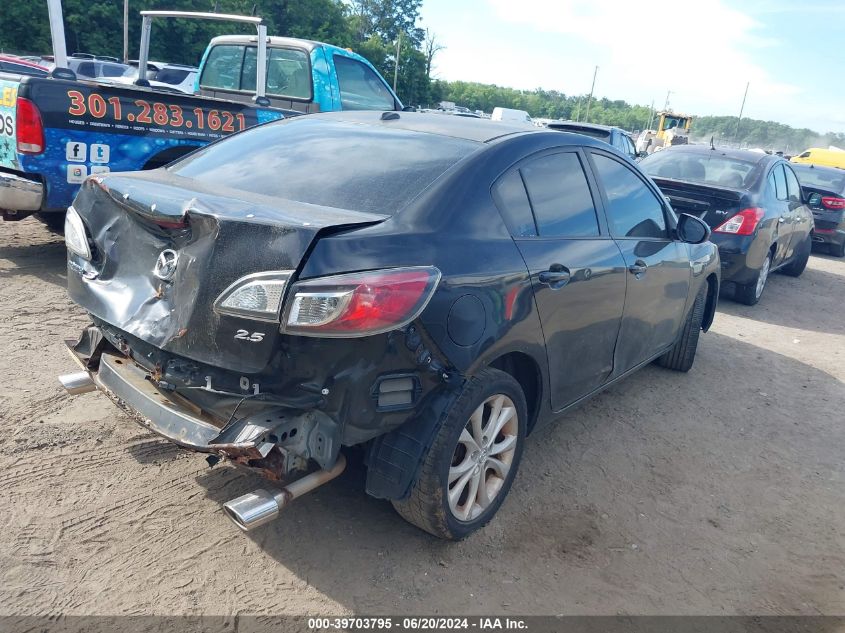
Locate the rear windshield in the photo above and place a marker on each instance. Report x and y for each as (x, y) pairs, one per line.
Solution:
(171, 75)
(709, 169)
(828, 179)
(602, 135)
(329, 163)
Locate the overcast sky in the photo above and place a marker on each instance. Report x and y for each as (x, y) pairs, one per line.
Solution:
(704, 52)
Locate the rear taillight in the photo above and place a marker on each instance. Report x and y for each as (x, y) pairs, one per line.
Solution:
(28, 127)
(743, 223)
(829, 202)
(359, 304)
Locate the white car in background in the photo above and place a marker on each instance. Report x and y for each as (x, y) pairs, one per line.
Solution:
(177, 76)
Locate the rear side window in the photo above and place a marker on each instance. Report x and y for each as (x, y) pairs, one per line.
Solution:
(560, 196)
(512, 200)
(288, 73)
(223, 68)
(86, 69)
(780, 183)
(360, 87)
(793, 189)
(632, 209)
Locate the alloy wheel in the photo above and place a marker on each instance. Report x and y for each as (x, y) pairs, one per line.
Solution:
(483, 457)
(762, 277)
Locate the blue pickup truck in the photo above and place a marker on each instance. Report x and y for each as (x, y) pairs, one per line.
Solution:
(55, 132)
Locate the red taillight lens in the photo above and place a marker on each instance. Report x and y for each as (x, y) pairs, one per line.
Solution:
(359, 304)
(28, 127)
(743, 223)
(829, 202)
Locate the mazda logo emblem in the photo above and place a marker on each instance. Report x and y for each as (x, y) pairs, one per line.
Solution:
(166, 263)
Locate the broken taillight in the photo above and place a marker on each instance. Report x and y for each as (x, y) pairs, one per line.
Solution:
(359, 304)
(28, 127)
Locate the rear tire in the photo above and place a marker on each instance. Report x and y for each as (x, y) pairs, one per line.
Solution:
(750, 294)
(799, 262)
(682, 355)
(459, 485)
(53, 221)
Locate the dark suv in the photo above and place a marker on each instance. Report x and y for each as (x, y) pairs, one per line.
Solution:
(428, 287)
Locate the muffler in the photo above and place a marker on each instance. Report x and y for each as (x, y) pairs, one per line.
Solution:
(77, 383)
(262, 506)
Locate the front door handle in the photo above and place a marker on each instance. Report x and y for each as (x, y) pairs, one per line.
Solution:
(638, 268)
(556, 277)
(781, 220)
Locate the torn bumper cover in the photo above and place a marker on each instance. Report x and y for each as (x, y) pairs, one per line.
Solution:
(266, 435)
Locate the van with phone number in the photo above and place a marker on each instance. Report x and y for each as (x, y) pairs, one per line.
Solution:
(57, 131)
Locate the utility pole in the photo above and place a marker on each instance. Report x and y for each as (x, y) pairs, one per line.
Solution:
(126, 34)
(666, 104)
(650, 116)
(590, 98)
(578, 109)
(396, 65)
(741, 108)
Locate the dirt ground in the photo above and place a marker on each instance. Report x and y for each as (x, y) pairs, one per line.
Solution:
(717, 492)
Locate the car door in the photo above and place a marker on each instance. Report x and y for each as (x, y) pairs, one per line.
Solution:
(658, 268)
(778, 207)
(577, 271)
(802, 217)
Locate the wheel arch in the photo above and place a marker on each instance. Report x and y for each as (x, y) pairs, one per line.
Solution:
(526, 371)
(712, 300)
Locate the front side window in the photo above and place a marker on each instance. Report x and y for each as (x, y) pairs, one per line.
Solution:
(632, 209)
(560, 196)
(360, 87)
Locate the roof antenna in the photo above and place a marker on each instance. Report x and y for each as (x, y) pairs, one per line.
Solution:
(712, 146)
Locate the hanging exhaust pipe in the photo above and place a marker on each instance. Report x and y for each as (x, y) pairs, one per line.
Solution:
(77, 383)
(262, 506)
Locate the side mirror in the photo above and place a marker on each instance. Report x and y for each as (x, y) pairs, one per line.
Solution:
(692, 230)
(409, 108)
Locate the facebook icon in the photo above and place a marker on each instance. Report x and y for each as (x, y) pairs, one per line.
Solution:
(76, 152)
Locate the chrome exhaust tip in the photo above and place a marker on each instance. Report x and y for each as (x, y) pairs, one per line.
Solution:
(252, 509)
(262, 506)
(77, 383)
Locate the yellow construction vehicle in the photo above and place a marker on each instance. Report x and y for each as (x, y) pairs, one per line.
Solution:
(672, 129)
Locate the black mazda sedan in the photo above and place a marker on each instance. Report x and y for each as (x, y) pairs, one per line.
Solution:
(753, 203)
(430, 288)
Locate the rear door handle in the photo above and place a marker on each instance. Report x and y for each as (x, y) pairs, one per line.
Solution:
(556, 277)
(638, 268)
(781, 220)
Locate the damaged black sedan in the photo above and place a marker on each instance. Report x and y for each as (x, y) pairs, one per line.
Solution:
(429, 288)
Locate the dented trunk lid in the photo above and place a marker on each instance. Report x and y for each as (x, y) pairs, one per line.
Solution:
(219, 235)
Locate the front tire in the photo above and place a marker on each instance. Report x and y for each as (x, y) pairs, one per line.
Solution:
(469, 468)
(682, 354)
(750, 294)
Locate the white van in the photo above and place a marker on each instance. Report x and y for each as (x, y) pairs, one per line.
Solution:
(509, 114)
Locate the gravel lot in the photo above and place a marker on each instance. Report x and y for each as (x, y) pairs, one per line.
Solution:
(717, 492)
